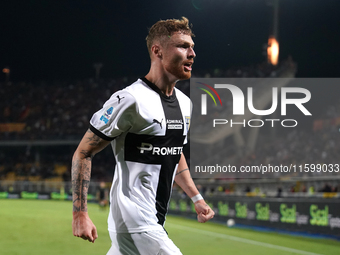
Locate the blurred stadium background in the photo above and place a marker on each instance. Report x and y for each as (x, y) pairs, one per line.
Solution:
(58, 70)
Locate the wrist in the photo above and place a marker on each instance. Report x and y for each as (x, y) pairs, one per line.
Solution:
(196, 198)
(79, 214)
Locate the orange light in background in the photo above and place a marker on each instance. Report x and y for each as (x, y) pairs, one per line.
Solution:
(6, 70)
(273, 51)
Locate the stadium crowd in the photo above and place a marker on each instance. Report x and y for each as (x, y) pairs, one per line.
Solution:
(57, 110)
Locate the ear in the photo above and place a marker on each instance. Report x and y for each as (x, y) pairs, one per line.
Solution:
(157, 50)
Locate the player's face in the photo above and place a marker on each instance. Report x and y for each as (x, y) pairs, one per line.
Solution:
(178, 56)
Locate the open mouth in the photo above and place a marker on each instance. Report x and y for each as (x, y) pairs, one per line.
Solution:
(188, 65)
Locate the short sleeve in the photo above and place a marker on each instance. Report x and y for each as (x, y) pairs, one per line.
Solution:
(116, 116)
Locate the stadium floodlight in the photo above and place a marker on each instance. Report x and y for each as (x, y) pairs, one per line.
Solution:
(6, 71)
(273, 44)
(273, 51)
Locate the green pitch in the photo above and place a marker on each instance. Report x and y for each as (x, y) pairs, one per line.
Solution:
(44, 227)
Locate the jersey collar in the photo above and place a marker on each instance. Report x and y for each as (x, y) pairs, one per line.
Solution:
(156, 89)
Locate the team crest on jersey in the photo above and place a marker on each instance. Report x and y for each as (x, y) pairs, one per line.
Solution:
(187, 122)
(107, 114)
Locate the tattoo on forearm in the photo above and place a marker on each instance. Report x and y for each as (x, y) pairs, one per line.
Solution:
(186, 169)
(87, 154)
(93, 140)
(81, 171)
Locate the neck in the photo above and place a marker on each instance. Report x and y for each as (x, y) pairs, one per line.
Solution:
(165, 83)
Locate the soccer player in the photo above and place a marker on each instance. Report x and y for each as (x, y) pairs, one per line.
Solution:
(146, 124)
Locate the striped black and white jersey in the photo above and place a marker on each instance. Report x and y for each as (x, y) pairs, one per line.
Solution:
(148, 130)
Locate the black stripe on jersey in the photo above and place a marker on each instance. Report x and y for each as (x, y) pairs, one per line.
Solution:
(100, 134)
(150, 149)
(172, 111)
(142, 149)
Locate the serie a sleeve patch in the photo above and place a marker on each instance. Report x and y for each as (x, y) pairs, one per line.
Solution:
(116, 110)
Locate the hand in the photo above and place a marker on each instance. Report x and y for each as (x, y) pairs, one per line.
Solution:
(204, 212)
(83, 227)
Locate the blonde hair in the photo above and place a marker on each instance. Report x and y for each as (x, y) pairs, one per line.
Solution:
(164, 29)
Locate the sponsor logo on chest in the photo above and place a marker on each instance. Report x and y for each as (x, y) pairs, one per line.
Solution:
(174, 124)
(156, 150)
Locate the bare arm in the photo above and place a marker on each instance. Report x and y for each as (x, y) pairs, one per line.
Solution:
(184, 180)
(81, 174)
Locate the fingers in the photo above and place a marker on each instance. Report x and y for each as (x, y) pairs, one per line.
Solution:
(85, 229)
(206, 210)
(90, 236)
(94, 234)
(86, 238)
(204, 217)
